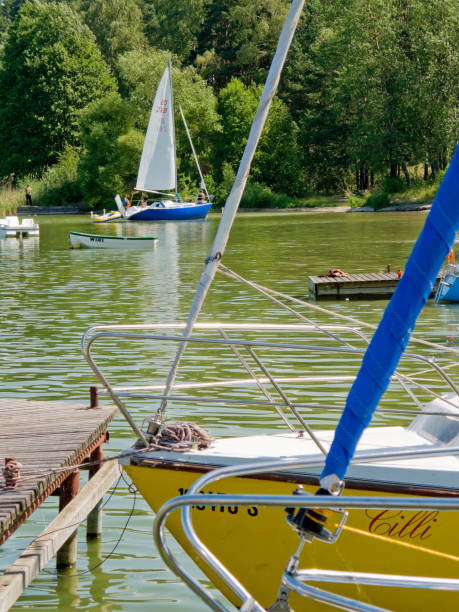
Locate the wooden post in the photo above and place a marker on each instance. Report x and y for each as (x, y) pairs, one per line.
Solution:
(67, 554)
(93, 397)
(40, 552)
(94, 522)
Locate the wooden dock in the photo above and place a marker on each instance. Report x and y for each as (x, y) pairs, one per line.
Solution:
(43, 436)
(357, 286)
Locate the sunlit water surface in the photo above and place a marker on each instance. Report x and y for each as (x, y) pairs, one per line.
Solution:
(50, 294)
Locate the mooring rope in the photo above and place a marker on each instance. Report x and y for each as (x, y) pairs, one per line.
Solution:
(177, 437)
(181, 437)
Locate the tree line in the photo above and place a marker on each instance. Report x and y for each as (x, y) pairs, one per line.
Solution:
(368, 94)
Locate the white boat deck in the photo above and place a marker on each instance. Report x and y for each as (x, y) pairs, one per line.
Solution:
(427, 432)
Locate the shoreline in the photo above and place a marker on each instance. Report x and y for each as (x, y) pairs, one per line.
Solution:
(341, 209)
(74, 210)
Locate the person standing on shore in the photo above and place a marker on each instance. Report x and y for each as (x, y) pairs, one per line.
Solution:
(28, 195)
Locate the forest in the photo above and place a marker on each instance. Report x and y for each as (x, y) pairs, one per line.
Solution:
(367, 99)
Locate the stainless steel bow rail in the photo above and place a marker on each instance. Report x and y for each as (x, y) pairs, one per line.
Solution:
(272, 386)
(295, 579)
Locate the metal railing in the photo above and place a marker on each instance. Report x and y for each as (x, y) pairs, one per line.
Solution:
(274, 397)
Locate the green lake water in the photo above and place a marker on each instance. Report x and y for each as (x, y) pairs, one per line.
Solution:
(50, 294)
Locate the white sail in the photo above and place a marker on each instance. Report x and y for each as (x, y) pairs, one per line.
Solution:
(157, 168)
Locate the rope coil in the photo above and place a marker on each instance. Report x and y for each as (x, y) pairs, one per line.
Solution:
(181, 437)
(11, 472)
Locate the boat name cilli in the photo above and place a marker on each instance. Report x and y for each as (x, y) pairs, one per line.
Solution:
(398, 524)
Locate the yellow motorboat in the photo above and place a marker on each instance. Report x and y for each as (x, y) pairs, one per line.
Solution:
(109, 217)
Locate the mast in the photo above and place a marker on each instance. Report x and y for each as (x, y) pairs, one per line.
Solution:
(173, 123)
(234, 198)
(203, 185)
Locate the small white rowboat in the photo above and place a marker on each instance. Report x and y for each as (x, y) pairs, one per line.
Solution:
(98, 241)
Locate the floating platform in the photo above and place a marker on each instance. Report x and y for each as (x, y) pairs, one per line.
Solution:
(380, 285)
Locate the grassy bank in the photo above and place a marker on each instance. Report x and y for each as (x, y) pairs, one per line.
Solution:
(10, 199)
(397, 194)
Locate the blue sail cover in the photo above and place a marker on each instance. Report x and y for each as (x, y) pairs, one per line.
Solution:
(393, 333)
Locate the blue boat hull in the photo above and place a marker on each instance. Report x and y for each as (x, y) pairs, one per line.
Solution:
(171, 214)
(448, 289)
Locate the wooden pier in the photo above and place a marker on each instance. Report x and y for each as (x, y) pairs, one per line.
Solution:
(36, 438)
(356, 286)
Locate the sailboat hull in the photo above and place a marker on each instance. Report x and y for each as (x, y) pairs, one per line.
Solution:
(256, 543)
(173, 213)
(448, 288)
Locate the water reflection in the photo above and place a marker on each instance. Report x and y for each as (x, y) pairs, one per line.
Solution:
(49, 295)
(14, 245)
(448, 318)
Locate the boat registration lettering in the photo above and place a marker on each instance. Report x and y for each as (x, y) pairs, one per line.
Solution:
(251, 511)
(400, 524)
(95, 239)
(162, 106)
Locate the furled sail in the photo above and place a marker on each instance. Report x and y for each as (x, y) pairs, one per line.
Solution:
(394, 331)
(157, 168)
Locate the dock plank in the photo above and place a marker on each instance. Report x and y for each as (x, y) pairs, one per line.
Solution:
(43, 436)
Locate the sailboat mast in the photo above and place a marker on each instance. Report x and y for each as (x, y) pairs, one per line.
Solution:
(234, 198)
(203, 185)
(173, 122)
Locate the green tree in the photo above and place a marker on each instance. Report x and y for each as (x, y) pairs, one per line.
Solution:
(236, 105)
(175, 26)
(276, 160)
(309, 72)
(110, 149)
(51, 68)
(372, 84)
(238, 39)
(8, 11)
(117, 26)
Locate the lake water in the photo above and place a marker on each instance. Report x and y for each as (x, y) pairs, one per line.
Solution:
(49, 295)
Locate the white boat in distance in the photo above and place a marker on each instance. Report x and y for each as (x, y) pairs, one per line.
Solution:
(11, 227)
(158, 165)
(97, 241)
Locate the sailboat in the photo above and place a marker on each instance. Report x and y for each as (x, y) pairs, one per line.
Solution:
(157, 171)
(448, 285)
(371, 513)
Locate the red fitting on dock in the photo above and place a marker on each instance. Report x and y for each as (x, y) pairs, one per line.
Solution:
(11, 472)
(93, 397)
